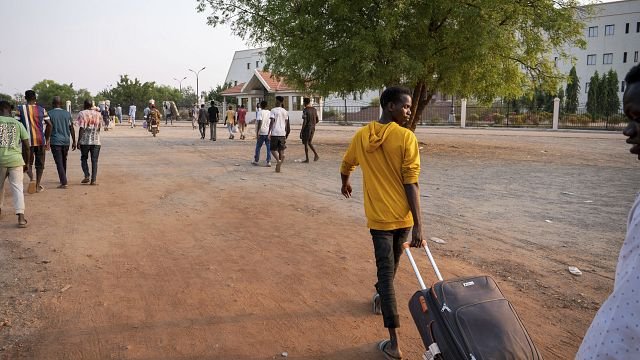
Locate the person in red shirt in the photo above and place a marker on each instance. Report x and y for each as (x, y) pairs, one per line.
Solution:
(242, 122)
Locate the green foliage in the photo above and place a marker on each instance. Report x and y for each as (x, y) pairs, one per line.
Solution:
(594, 95)
(480, 48)
(47, 89)
(216, 94)
(572, 92)
(6, 97)
(610, 101)
(375, 101)
(128, 92)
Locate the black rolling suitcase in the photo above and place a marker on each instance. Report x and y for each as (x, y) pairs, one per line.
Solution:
(467, 319)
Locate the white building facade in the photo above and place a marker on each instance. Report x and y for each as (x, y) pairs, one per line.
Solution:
(612, 35)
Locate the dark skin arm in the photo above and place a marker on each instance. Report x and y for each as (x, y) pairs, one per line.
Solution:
(413, 198)
(26, 153)
(73, 137)
(80, 131)
(258, 126)
(47, 133)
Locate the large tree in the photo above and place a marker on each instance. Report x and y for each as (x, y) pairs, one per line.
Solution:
(47, 89)
(481, 48)
(572, 92)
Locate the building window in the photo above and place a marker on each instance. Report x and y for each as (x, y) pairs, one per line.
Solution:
(245, 102)
(591, 59)
(285, 104)
(607, 58)
(235, 83)
(609, 30)
(626, 28)
(586, 88)
(315, 101)
(257, 64)
(593, 31)
(296, 103)
(622, 86)
(248, 66)
(635, 56)
(638, 26)
(624, 57)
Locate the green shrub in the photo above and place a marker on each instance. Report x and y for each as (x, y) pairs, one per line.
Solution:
(498, 118)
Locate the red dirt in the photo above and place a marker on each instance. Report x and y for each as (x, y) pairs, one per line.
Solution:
(186, 251)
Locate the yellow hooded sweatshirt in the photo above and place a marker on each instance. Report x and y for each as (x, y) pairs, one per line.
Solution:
(389, 157)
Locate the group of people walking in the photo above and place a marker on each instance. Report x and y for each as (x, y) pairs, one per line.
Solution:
(272, 128)
(26, 137)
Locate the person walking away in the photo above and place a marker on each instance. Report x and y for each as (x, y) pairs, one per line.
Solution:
(278, 131)
(309, 120)
(263, 120)
(230, 120)
(132, 115)
(34, 118)
(194, 115)
(14, 155)
(242, 120)
(105, 118)
(145, 114)
(154, 118)
(89, 124)
(203, 118)
(62, 133)
(119, 114)
(112, 116)
(615, 330)
(390, 160)
(213, 120)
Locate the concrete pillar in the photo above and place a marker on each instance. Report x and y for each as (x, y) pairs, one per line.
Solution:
(463, 113)
(68, 105)
(556, 112)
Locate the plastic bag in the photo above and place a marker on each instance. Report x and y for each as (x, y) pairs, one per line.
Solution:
(234, 129)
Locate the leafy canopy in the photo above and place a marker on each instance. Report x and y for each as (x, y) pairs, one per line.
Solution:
(479, 48)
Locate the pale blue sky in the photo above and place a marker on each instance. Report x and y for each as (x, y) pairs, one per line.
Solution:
(92, 42)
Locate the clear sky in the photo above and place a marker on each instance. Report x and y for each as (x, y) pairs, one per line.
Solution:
(90, 43)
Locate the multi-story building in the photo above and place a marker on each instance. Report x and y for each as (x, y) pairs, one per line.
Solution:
(612, 34)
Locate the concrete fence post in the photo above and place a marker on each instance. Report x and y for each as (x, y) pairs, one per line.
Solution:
(463, 113)
(556, 112)
(68, 105)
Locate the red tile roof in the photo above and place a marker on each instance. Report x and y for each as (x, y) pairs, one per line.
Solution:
(234, 90)
(274, 83)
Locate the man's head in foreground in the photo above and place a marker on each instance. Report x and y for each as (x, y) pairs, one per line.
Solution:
(631, 107)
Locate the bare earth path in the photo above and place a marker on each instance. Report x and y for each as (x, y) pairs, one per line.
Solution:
(186, 251)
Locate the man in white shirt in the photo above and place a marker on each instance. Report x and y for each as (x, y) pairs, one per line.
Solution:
(263, 121)
(278, 131)
(615, 330)
(132, 115)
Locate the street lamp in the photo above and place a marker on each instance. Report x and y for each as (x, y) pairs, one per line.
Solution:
(197, 88)
(180, 82)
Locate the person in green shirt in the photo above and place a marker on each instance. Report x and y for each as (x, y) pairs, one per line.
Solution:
(14, 153)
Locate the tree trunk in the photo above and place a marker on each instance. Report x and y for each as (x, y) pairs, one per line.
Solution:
(421, 97)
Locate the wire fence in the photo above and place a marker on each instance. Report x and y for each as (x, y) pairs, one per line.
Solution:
(499, 115)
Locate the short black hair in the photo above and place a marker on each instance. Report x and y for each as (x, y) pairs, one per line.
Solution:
(279, 98)
(633, 76)
(393, 94)
(5, 105)
(306, 101)
(202, 106)
(242, 106)
(263, 104)
(30, 95)
(213, 103)
(87, 104)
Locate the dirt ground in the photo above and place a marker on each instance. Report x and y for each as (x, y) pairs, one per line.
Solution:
(187, 251)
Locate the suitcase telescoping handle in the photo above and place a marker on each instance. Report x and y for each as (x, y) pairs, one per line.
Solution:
(407, 250)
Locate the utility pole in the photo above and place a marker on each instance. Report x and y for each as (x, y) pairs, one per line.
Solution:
(197, 84)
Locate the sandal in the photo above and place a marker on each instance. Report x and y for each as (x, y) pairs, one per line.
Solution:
(40, 189)
(382, 346)
(23, 225)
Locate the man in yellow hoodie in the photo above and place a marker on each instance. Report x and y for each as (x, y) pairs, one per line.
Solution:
(390, 160)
